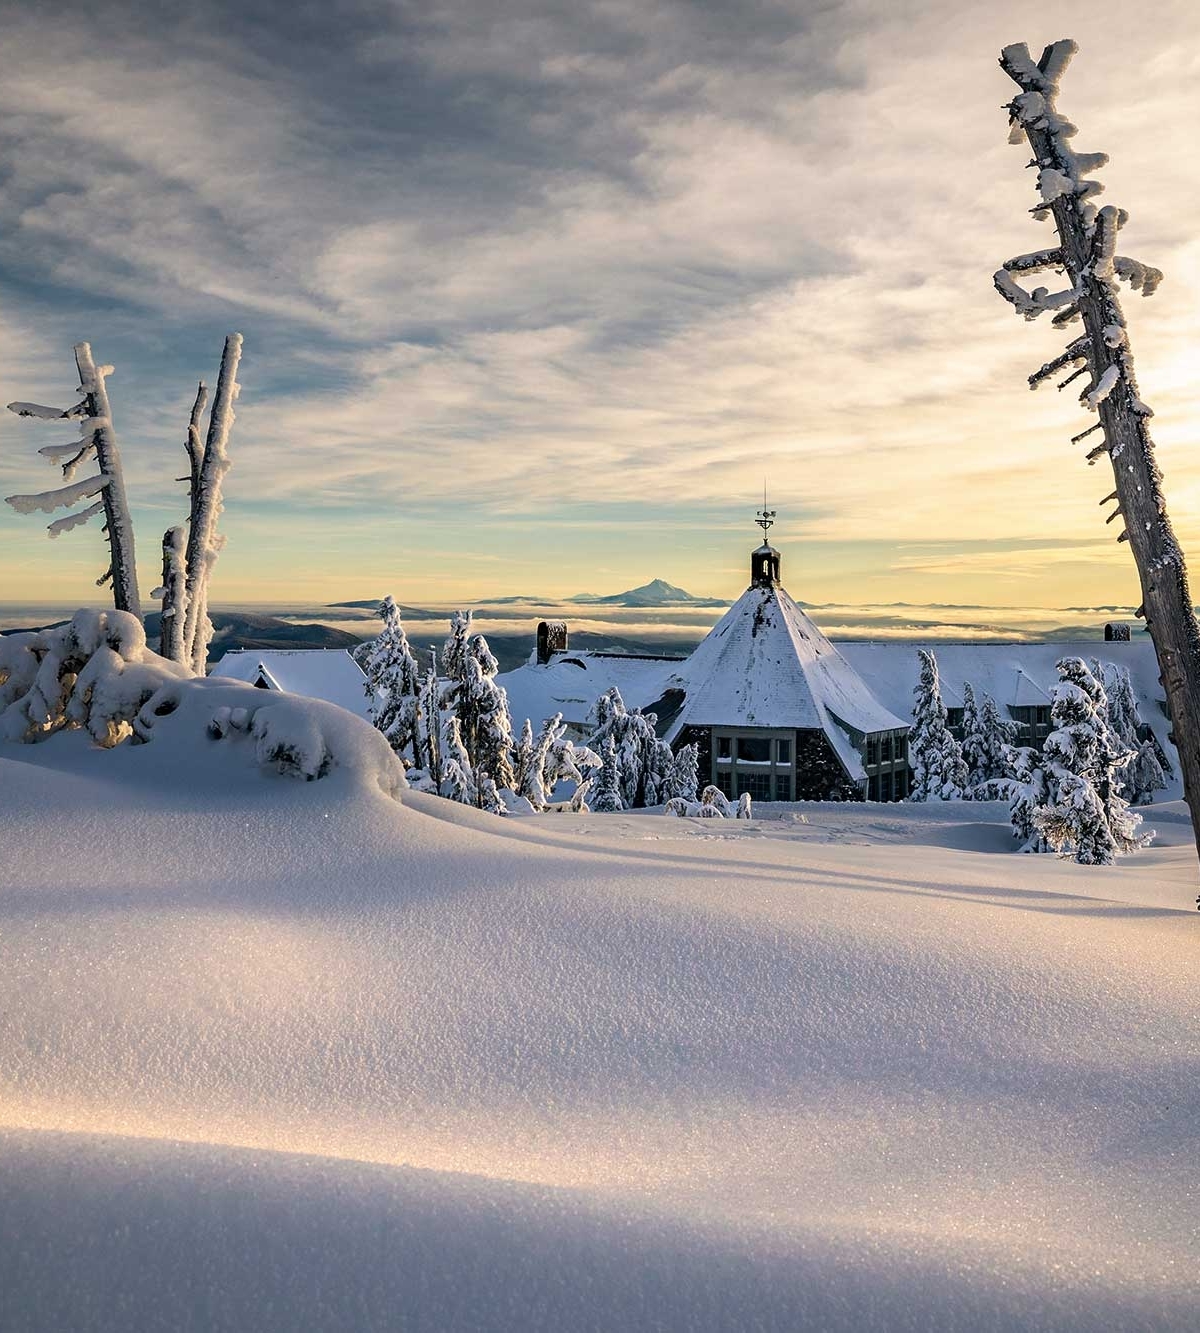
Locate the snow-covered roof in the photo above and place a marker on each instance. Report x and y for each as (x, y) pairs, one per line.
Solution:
(765, 664)
(570, 683)
(318, 673)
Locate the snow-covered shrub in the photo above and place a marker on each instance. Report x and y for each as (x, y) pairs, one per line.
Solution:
(713, 805)
(939, 773)
(95, 672)
(97, 675)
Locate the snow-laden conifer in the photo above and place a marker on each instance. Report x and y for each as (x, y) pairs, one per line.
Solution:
(939, 773)
(683, 779)
(392, 682)
(607, 798)
(1144, 774)
(522, 756)
(482, 708)
(642, 759)
(987, 741)
(568, 762)
(429, 724)
(458, 779)
(1084, 815)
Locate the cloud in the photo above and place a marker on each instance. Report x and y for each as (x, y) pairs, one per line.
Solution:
(513, 257)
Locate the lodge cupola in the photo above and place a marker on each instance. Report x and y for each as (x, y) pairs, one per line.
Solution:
(764, 562)
(764, 567)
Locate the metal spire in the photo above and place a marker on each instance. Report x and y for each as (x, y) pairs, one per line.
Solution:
(766, 517)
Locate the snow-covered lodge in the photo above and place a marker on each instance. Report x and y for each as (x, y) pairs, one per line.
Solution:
(779, 711)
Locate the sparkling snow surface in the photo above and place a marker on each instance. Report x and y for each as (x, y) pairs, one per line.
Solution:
(279, 1055)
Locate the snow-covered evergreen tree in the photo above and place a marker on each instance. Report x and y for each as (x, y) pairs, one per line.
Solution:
(568, 762)
(488, 794)
(683, 779)
(483, 712)
(1029, 790)
(987, 741)
(607, 799)
(455, 652)
(429, 729)
(458, 779)
(939, 773)
(1144, 775)
(1085, 815)
(522, 757)
(393, 682)
(642, 759)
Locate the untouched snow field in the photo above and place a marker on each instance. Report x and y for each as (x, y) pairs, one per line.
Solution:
(283, 1056)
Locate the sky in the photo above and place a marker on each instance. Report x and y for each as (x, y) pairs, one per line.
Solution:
(536, 295)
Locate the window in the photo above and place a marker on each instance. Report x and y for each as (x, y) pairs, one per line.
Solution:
(885, 786)
(757, 784)
(754, 750)
(873, 750)
(902, 784)
(725, 783)
(872, 789)
(783, 755)
(723, 744)
(901, 742)
(783, 786)
(885, 750)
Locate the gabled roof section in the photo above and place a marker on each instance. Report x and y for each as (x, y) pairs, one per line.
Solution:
(318, 673)
(765, 664)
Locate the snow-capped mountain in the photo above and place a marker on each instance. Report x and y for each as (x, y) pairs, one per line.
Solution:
(658, 592)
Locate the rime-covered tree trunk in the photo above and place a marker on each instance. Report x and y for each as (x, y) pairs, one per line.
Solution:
(118, 525)
(202, 546)
(173, 619)
(1086, 254)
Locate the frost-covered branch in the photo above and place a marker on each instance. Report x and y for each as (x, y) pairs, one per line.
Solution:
(1077, 352)
(49, 501)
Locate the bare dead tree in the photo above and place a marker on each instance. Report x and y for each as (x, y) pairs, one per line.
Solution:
(203, 544)
(1086, 257)
(174, 546)
(97, 441)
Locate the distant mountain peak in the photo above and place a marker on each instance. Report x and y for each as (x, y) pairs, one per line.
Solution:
(658, 592)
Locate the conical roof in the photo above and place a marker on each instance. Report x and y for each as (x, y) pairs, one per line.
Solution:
(765, 664)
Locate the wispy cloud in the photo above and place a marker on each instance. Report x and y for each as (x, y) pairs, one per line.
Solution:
(504, 257)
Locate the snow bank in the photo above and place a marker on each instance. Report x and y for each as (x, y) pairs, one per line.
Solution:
(97, 675)
(316, 1059)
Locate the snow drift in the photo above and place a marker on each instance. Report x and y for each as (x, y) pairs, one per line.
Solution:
(317, 1059)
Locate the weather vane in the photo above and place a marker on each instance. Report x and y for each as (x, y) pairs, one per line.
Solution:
(766, 517)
